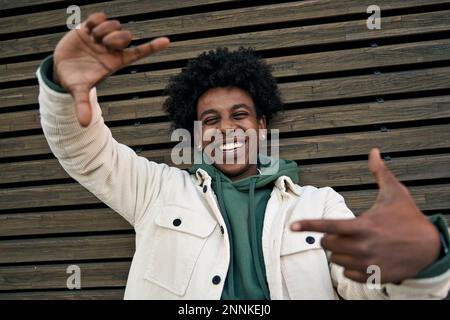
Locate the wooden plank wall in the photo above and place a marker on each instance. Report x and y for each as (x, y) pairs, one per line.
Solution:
(346, 89)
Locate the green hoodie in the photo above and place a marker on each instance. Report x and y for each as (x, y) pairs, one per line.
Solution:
(243, 205)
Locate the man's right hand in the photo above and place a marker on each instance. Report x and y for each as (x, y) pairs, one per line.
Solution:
(85, 56)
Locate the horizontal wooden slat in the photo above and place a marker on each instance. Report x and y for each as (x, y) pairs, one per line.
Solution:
(31, 145)
(8, 4)
(338, 145)
(51, 222)
(367, 85)
(67, 248)
(348, 144)
(115, 110)
(306, 91)
(50, 168)
(357, 172)
(64, 194)
(361, 58)
(19, 70)
(120, 8)
(422, 23)
(289, 120)
(433, 197)
(104, 294)
(389, 111)
(114, 9)
(93, 275)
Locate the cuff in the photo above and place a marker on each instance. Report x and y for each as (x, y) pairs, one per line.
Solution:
(46, 70)
(54, 99)
(443, 263)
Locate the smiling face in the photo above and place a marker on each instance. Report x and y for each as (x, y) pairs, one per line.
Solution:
(226, 110)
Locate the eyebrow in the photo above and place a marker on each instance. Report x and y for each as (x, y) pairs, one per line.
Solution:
(234, 107)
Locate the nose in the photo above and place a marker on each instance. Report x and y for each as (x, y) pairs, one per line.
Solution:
(227, 125)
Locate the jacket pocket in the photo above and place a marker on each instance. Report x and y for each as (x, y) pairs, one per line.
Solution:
(304, 266)
(295, 242)
(179, 239)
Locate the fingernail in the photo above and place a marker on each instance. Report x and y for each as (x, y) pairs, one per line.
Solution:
(296, 226)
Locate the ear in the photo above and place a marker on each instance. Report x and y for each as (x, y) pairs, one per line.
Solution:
(262, 122)
(198, 135)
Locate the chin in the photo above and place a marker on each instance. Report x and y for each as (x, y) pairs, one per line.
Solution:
(232, 170)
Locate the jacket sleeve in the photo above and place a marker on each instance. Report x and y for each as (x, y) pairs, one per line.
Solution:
(113, 172)
(435, 287)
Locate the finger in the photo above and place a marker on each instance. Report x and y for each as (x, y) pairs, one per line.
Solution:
(94, 20)
(356, 275)
(117, 40)
(386, 180)
(82, 105)
(334, 226)
(348, 262)
(104, 29)
(352, 246)
(146, 49)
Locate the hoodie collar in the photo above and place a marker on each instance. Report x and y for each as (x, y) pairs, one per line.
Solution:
(283, 183)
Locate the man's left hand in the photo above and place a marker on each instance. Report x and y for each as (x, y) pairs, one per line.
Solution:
(393, 235)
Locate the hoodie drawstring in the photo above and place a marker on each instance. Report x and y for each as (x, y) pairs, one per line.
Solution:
(254, 241)
(230, 275)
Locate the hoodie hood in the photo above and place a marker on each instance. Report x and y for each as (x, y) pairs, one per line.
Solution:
(269, 170)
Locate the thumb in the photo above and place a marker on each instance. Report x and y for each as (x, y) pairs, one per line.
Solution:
(82, 105)
(384, 177)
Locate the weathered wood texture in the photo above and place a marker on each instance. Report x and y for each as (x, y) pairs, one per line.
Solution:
(346, 90)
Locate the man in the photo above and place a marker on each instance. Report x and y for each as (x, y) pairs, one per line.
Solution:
(229, 230)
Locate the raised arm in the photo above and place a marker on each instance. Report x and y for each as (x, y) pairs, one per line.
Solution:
(73, 125)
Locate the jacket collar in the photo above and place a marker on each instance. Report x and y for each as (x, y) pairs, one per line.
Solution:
(284, 184)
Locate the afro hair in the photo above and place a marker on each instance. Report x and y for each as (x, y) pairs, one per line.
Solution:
(221, 68)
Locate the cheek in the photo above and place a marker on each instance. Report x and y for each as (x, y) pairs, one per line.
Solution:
(207, 135)
(247, 124)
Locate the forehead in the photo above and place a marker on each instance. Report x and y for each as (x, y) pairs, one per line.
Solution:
(223, 98)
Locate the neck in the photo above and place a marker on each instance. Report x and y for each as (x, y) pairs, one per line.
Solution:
(251, 170)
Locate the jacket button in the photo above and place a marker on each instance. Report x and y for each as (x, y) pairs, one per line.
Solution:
(222, 230)
(176, 222)
(310, 240)
(205, 188)
(216, 280)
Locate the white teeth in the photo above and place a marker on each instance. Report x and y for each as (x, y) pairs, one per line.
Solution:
(230, 146)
